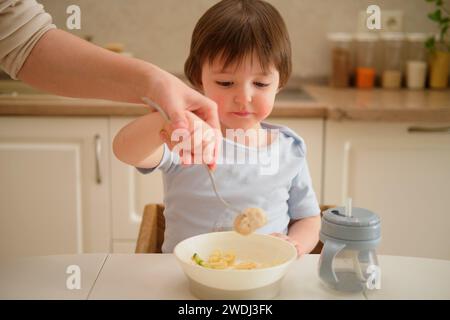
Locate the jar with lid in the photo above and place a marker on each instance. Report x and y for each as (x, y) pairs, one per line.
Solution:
(416, 61)
(439, 63)
(348, 261)
(341, 59)
(391, 77)
(365, 59)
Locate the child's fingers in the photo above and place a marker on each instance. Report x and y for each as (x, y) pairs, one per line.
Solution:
(199, 143)
(164, 136)
(208, 148)
(195, 147)
(208, 155)
(186, 158)
(212, 153)
(197, 139)
(202, 145)
(217, 148)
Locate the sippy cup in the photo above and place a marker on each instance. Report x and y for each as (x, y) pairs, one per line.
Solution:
(348, 261)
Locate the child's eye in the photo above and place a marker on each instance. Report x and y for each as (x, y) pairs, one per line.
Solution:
(261, 85)
(224, 83)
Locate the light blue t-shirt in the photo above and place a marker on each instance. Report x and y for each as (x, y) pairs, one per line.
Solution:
(275, 179)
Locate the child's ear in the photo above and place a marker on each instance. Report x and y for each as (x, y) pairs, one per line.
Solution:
(279, 89)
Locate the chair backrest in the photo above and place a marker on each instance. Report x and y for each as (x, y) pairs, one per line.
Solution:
(151, 232)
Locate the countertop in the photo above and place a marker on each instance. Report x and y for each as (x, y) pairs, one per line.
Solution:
(158, 276)
(308, 101)
(383, 104)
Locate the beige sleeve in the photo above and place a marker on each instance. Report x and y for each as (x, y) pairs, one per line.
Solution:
(22, 23)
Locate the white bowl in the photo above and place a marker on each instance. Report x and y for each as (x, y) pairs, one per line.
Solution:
(261, 283)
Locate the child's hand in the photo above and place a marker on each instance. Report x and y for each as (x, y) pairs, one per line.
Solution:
(197, 144)
(290, 240)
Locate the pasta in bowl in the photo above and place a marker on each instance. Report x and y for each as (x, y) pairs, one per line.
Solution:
(227, 265)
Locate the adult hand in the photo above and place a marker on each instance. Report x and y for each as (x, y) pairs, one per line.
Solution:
(175, 97)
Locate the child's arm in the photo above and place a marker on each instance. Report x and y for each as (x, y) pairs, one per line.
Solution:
(305, 233)
(139, 143)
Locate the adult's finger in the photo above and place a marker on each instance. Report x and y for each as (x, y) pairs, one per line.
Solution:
(206, 109)
(177, 117)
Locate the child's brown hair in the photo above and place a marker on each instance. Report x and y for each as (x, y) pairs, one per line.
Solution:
(233, 29)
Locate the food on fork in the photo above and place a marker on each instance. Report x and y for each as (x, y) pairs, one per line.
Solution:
(249, 220)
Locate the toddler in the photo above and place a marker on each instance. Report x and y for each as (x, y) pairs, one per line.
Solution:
(240, 57)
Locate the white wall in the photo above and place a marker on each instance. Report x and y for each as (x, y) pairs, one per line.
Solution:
(160, 31)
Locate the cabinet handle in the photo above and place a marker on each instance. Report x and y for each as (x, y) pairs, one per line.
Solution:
(98, 151)
(426, 130)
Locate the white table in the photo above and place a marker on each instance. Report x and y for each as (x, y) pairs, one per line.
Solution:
(45, 277)
(158, 276)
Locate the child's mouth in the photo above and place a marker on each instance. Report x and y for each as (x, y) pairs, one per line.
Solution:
(242, 114)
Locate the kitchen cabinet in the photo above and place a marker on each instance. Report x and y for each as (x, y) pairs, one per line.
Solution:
(402, 176)
(55, 186)
(131, 191)
(63, 191)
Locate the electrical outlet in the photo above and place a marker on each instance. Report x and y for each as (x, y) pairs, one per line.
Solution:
(391, 21)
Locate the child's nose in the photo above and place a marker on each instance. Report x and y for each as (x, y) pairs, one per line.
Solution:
(243, 96)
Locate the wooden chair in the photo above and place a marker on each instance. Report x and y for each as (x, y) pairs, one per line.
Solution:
(151, 232)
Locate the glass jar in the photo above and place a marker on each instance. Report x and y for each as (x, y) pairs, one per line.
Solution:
(365, 60)
(416, 61)
(391, 77)
(341, 59)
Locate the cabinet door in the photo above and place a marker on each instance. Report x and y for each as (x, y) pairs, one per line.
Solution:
(54, 189)
(131, 191)
(311, 130)
(404, 177)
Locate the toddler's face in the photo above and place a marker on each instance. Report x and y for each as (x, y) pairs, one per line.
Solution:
(244, 94)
